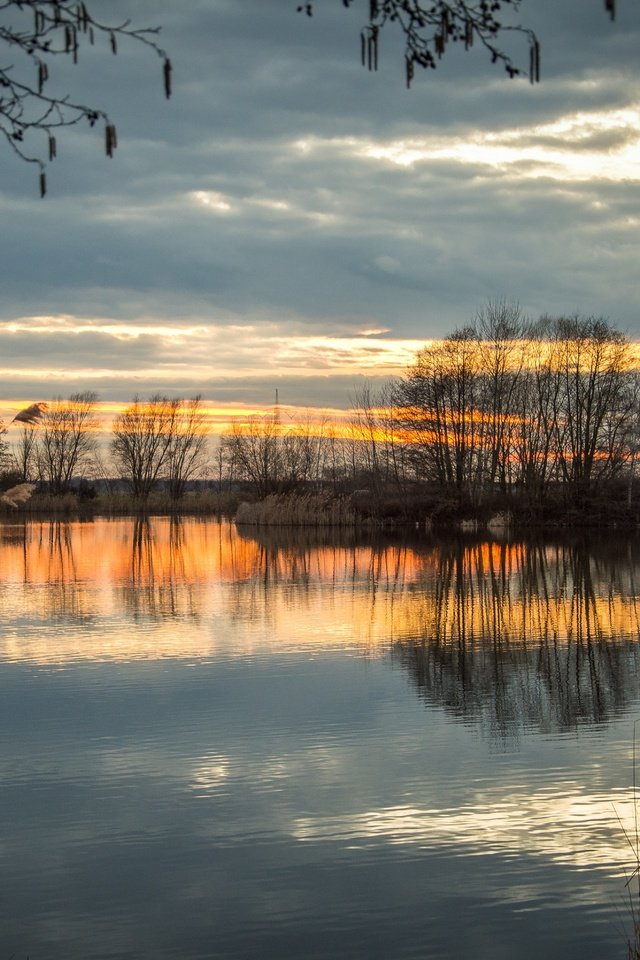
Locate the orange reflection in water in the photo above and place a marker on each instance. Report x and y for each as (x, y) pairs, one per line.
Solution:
(125, 589)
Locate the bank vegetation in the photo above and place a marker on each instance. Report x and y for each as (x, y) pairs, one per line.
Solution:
(534, 422)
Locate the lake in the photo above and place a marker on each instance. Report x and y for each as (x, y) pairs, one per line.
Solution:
(278, 744)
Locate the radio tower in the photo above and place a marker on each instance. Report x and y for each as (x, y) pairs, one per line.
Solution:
(276, 414)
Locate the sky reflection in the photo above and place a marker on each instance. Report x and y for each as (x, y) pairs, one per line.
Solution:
(221, 745)
(567, 827)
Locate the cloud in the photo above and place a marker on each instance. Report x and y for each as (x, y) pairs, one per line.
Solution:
(283, 184)
(232, 362)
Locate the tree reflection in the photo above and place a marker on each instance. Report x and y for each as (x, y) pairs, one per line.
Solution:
(158, 586)
(507, 635)
(65, 597)
(334, 576)
(527, 635)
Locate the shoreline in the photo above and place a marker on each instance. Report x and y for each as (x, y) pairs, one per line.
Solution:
(332, 511)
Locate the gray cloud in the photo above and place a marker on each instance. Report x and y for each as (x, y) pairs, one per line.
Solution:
(256, 194)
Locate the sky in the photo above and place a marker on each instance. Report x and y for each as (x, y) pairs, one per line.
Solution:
(289, 220)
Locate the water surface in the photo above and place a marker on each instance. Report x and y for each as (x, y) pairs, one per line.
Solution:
(265, 745)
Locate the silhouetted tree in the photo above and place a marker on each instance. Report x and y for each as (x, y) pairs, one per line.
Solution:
(304, 453)
(277, 457)
(66, 439)
(503, 336)
(596, 401)
(252, 452)
(25, 452)
(504, 404)
(535, 411)
(440, 405)
(142, 436)
(187, 446)
(366, 453)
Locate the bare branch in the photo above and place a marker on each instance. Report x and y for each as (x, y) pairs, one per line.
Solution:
(431, 26)
(37, 32)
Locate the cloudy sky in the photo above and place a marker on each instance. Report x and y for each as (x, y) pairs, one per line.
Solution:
(289, 220)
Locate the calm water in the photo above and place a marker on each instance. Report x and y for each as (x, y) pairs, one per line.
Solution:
(232, 746)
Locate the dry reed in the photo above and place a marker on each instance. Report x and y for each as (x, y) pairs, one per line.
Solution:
(201, 503)
(299, 510)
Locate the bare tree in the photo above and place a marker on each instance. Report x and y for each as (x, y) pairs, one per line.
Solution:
(5, 456)
(219, 465)
(187, 446)
(303, 453)
(596, 402)
(275, 456)
(101, 469)
(503, 335)
(534, 435)
(67, 439)
(506, 404)
(458, 407)
(336, 465)
(367, 456)
(440, 413)
(141, 441)
(25, 453)
(253, 452)
(378, 455)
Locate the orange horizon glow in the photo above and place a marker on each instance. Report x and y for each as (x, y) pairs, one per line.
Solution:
(219, 417)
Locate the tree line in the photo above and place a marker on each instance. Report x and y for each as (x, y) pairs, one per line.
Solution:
(508, 406)
(504, 411)
(159, 440)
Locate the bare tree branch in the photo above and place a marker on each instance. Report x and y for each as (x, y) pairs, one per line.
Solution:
(431, 26)
(34, 33)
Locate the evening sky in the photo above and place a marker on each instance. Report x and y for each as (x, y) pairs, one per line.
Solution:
(289, 220)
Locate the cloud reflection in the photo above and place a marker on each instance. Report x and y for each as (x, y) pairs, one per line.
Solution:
(562, 824)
